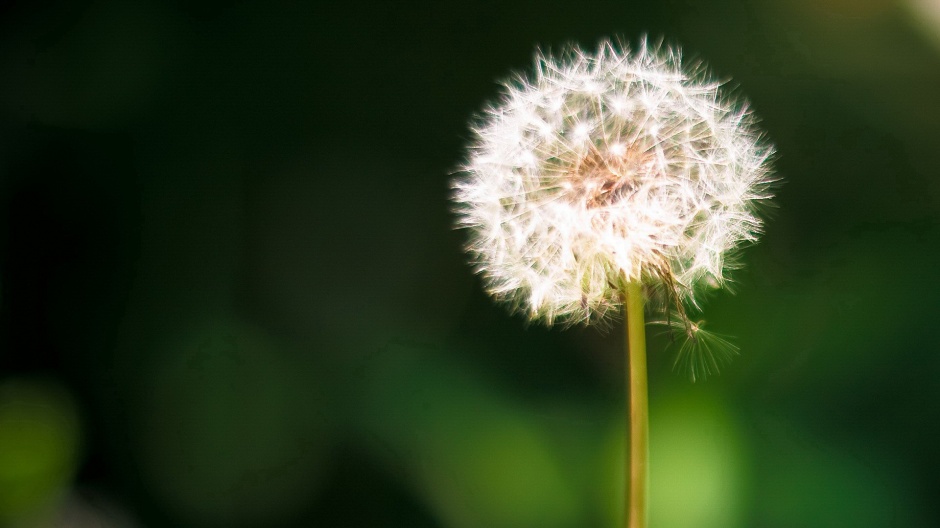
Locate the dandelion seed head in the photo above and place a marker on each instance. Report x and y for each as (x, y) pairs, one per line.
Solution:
(597, 169)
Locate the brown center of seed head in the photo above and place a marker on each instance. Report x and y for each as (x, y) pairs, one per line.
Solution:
(608, 175)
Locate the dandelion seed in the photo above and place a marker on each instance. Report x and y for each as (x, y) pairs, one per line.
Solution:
(701, 352)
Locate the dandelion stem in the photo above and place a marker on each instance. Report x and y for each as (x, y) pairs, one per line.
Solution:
(636, 466)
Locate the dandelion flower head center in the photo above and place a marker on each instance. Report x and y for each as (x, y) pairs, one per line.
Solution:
(603, 178)
(609, 167)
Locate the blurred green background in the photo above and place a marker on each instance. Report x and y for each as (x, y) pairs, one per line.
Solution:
(230, 294)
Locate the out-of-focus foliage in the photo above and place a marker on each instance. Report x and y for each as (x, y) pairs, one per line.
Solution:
(224, 233)
(480, 458)
(219, 440)
(816, 483)
(39, 448)
(702, 463)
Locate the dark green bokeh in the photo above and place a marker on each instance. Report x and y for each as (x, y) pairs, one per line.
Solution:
(225, 241)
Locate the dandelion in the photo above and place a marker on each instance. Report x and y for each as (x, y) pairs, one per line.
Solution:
(603, 180)
(605, 169)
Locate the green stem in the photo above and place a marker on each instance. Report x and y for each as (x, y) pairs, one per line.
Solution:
(637, 453)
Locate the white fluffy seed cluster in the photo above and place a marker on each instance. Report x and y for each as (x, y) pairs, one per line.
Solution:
(603, 168)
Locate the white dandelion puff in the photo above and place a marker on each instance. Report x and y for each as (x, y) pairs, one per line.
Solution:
(600, 169)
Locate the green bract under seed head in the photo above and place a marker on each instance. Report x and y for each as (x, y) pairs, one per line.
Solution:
(596, 169)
